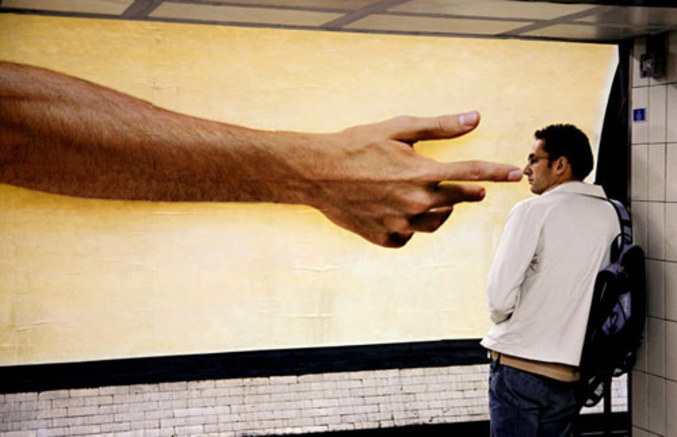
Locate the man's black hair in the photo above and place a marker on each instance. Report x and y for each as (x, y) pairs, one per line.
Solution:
(569, 141)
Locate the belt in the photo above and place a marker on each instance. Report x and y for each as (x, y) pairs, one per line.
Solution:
(557, 371)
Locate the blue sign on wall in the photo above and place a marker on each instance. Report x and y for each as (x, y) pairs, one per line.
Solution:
(639, 114)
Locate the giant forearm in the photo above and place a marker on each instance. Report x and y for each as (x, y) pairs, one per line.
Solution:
(64, 135)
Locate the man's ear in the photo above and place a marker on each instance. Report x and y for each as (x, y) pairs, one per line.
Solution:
(561, 165)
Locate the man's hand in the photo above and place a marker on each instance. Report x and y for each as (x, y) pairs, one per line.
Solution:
(377, 186)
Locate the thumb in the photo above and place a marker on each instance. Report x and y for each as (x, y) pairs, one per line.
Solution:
(412, 129)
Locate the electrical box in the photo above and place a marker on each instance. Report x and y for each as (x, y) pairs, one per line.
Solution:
(652, 62)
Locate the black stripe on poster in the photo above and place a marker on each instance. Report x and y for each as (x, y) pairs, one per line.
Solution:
(151, 370)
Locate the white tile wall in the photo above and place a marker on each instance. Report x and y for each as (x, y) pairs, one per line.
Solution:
(639, 185)
(655, 275)
(657, 114)
(654, 206)
(256, 406)
(671, 233)
(655, 334)
(656, 229)
(671, 136)
(640, 223)
(671, 353)
(671, 298)
(671, 170)
(264, 406)
(656, 405)
(640, 399)
(656, 177)
(671, 399)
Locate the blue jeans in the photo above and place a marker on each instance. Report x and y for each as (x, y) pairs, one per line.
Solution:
(523, 404)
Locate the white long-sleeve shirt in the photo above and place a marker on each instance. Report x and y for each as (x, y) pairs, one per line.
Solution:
(541, 281)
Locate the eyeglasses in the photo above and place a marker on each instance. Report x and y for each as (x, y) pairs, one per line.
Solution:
(533, 159)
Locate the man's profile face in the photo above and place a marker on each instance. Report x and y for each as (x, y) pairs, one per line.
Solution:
(539, 170)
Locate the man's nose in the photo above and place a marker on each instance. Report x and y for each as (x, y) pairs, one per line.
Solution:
(527, 170)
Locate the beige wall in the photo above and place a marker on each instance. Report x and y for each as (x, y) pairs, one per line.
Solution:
(87, 279)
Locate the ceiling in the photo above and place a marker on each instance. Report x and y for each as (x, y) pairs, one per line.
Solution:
(598, 21)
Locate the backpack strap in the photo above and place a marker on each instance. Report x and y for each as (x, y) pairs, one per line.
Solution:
(624, 220)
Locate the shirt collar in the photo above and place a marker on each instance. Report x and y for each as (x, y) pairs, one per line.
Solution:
(579, 188)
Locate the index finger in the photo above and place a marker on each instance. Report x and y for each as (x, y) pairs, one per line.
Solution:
(412, 129)
(479, 171)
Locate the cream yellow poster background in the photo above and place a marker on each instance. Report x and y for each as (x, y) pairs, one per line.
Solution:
(87, 279)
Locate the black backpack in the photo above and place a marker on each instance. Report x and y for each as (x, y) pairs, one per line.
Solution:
(616, 321)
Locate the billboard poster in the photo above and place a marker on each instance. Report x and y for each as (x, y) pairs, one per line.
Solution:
(86, 279)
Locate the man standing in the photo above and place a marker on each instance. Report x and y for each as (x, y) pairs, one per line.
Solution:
(540, 288)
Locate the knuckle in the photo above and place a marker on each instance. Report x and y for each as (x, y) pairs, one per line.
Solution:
(449, 125)
(402, 119)
(474, 172)
(417, 203)
(444, 124)
(428, 172)
(383, 239)
(395, 223)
